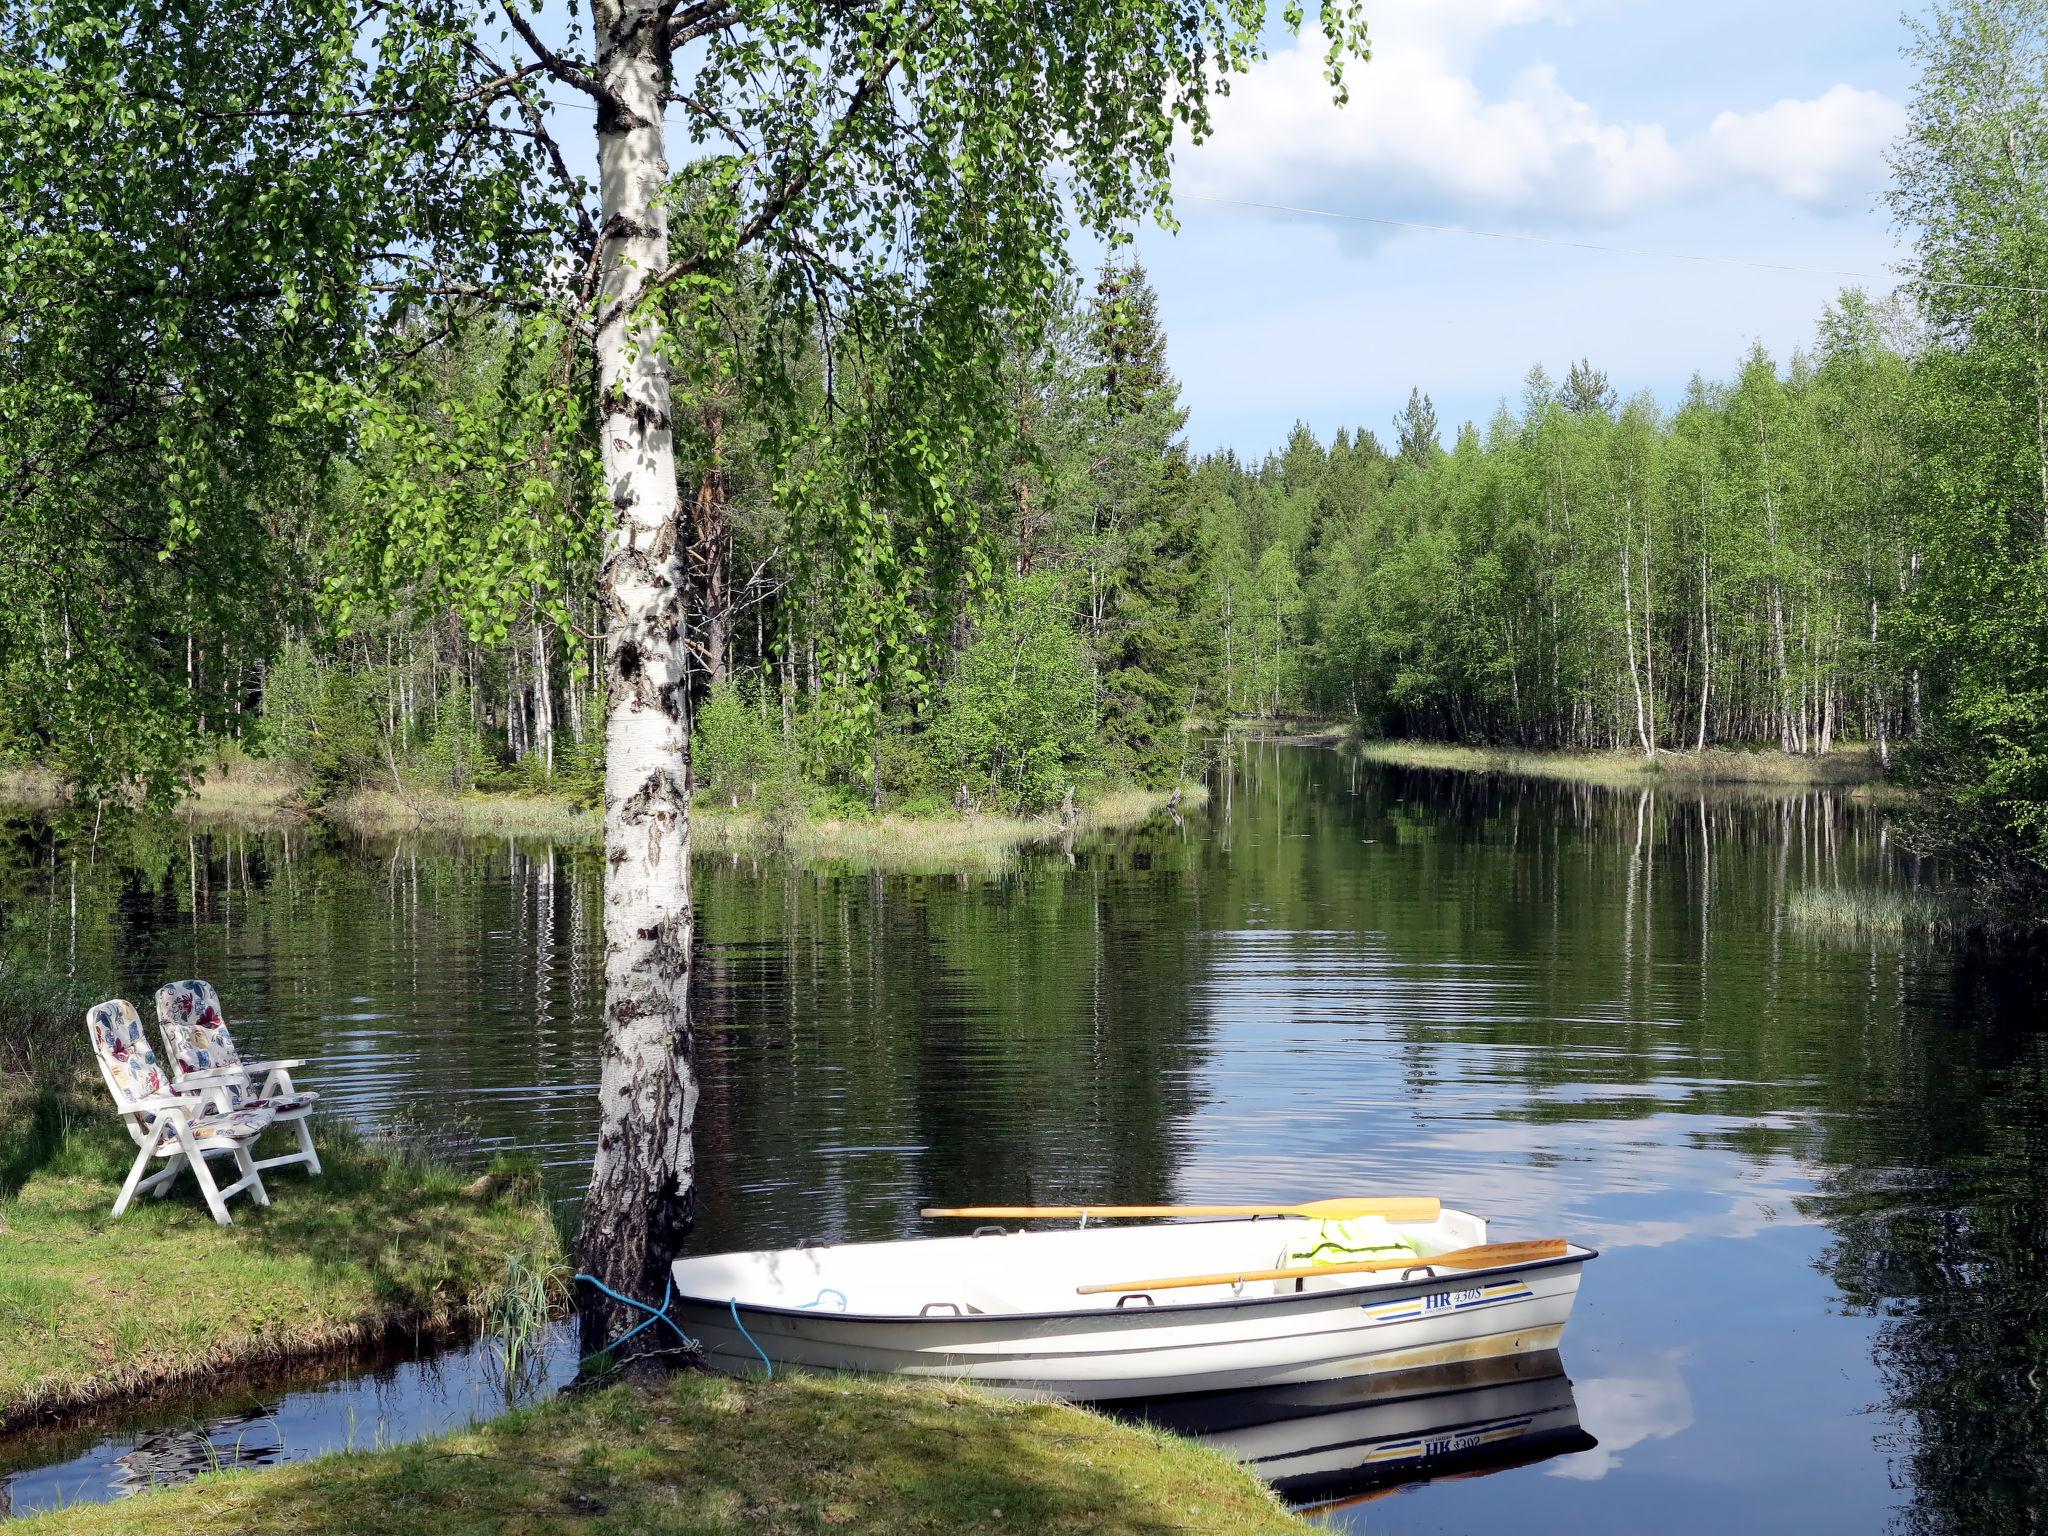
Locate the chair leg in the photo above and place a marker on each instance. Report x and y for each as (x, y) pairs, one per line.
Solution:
(204, 1176)
(250, 1174)
(142, 1161)
(306, 1146)
(160, 1184)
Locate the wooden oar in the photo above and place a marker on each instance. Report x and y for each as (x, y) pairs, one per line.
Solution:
(1481, 1256)
(1393, 1207)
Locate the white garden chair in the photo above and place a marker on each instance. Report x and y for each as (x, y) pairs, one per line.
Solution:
(197, 1040)
(166, 1123)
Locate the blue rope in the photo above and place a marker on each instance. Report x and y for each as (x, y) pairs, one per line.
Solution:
(828, 1291)
(766, 1364)
(654, 1315)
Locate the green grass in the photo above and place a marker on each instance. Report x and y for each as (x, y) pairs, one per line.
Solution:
(940, 843)
(928, 844)
(708, 1456)
(93, 1310)
(1882, 914)
(1845, 766)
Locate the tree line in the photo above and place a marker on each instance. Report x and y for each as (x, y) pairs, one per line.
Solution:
(1072, 655)
(1584, 573)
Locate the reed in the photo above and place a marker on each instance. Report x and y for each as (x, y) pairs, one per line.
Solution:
(520, 1305)
(1884, 913)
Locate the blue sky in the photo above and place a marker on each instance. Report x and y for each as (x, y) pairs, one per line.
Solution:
(1739, 130)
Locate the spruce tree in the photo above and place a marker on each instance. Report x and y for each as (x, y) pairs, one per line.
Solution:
(1151, 559)
(1417, 427)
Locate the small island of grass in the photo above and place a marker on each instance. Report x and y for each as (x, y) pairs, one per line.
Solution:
(700, 1455)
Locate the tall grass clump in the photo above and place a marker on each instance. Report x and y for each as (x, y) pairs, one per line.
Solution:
(1884, 913)
(519, 1306)
(42, 1022)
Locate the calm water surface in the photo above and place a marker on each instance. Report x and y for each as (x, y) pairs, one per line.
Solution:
(1816, 1170)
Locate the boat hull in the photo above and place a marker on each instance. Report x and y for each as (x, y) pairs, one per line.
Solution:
(1137, 1350)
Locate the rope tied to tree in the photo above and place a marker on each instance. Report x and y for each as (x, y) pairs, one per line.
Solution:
(654, 1315)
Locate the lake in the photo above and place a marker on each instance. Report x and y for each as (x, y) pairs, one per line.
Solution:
(1816, 1169)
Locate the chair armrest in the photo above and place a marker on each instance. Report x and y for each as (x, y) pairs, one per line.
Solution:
(255, 1067)
(166, 1103)
(212, 1077)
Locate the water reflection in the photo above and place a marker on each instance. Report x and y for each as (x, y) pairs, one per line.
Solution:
(1337, 1445)
(1814, 1167)
(402, 1397)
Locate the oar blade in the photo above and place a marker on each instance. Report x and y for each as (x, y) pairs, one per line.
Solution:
(1494, 1255)
(1479, 1256)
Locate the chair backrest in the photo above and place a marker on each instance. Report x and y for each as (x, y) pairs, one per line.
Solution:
(196, 1035)
(126, 1061)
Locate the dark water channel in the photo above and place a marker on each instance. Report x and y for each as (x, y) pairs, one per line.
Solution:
(1817, 1169)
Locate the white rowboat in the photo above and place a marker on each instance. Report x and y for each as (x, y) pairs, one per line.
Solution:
(1001, 1308)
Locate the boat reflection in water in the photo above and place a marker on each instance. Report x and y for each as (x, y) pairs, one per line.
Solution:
(1333, 1443)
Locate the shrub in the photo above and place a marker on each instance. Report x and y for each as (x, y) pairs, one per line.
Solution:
(1017, 722)
(454, 755)
(736, 748)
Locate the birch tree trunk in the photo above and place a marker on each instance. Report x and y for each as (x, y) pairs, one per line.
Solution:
(543, 698)
(642, 1178)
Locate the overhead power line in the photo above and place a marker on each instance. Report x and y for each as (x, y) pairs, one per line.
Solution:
(1611, 250)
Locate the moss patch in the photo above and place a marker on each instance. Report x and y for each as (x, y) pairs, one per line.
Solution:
(94, 1310)
(708, 1456)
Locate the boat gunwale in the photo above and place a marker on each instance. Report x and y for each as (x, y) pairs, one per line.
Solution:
(1391, 1292)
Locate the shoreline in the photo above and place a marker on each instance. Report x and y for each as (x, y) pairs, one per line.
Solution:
(714, 1456)
(1854, 769)
(945, 842)
(98, 1313)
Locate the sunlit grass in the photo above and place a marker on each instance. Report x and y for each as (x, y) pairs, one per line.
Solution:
(94, 1309)
(1717, 765)
(942, 843)
(704, 1455)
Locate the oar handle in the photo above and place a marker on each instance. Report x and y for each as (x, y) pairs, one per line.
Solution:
(1479, 1256)
(1391, 1207)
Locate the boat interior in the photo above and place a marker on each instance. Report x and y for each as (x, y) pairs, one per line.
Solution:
(1010, 1271)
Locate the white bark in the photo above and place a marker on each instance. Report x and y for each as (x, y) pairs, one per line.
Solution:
(642, 1177)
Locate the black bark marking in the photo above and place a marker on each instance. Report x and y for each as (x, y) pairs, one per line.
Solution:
(644, 414)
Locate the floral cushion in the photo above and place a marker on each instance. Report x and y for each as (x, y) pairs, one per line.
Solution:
(239, 1125)
(284, 1103)
(126, 1059)
(196, 1035)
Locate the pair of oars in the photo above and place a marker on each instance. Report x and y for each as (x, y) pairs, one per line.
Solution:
(1416, 1208)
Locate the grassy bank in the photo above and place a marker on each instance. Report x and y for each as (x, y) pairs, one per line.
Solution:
(708, 1456)
(937, 843)
(1844, 767)
(942, 842)
(94, 1310)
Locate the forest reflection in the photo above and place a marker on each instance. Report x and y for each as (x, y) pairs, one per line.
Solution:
(1571, 1007)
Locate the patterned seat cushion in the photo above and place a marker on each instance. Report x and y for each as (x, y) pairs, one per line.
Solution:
(237, 1126)
(285, 1103)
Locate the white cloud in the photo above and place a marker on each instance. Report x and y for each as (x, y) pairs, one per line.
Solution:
(1420, 138)
(1620, 1412)
(1820, 151)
